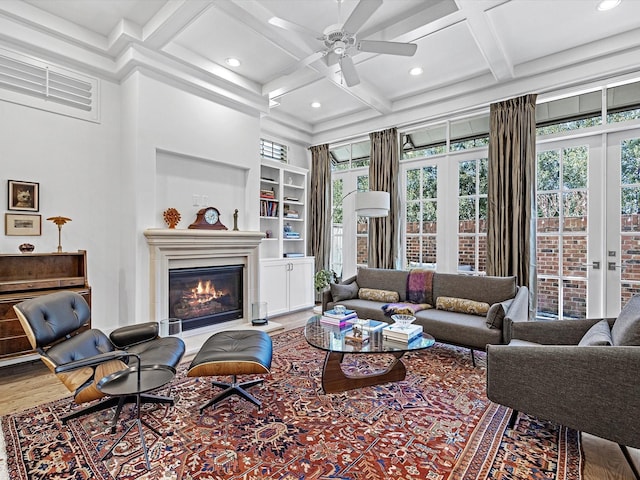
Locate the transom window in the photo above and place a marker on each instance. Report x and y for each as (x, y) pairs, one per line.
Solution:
(352, 155)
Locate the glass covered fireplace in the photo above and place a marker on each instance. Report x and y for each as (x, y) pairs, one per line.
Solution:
(205, 296)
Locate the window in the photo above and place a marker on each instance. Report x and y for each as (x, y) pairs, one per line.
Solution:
(472, 215)
(352, 155)
(571, 113)
(585, 110)
(623, 103)
(562, 240)
(630, 218)
(464, 134)
(337, 227)
(426, 142)
(421, 220)
(362, 227)
(467, 133)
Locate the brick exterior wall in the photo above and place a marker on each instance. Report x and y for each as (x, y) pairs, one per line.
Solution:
(574, 250)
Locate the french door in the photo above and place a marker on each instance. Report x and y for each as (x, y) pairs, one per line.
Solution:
(622, 238)
(588, 225)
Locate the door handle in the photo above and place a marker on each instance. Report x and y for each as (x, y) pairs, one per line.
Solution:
(594, 265)
(613, 266)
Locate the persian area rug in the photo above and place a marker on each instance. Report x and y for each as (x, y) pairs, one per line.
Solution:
(437, 424)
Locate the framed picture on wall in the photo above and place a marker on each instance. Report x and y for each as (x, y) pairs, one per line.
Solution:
(22, 224)
(24, 196)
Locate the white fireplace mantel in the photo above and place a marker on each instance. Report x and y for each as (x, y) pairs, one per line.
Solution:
(182, 248)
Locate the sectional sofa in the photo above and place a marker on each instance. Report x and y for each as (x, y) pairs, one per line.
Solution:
(466, 310)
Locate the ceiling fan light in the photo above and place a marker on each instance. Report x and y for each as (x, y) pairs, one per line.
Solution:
(605, 5)
(339, 47)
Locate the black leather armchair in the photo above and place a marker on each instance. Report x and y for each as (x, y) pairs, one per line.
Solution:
(81, 360)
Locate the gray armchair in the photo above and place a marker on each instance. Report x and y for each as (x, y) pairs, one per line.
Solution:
(578, 373)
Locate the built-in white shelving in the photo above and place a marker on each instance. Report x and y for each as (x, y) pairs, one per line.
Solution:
(286, 273)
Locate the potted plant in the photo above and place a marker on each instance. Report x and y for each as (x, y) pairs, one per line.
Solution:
(323, 278)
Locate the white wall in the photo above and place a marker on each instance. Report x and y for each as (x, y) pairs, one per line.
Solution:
(77, 164)
(154, 147)
(177, 144)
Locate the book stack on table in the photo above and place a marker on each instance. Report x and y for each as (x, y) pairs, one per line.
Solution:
(399, 334)
(331, 317)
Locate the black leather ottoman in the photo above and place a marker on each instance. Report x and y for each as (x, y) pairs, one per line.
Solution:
(236, 352)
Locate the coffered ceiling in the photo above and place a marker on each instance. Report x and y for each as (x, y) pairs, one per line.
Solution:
(471, 51)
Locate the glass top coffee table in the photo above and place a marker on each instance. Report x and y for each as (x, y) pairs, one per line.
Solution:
(332, 339)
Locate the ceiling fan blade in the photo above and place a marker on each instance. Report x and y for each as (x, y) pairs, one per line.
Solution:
(360, 15)
(304, 62)
(287, 25)
(393, 48)
(348, 70)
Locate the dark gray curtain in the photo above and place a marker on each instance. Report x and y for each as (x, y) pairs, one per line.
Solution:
(511, 229)
(319, 214)
(384, 169)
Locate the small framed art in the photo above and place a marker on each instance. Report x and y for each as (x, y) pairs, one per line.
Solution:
(24, 196)
(22, 224)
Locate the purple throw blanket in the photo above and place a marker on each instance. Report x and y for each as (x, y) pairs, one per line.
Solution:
(405, 308)
(419, 286)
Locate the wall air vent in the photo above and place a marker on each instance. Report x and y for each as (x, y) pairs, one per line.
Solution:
(273, 151)
(27, 81)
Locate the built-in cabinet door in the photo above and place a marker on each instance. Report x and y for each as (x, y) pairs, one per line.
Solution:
(287, 284)
(301, 294)
(274, 286)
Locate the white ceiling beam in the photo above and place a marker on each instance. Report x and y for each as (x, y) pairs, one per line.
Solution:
(51, 47)
(190, 79)
(425, 18)
(41, 21)
(483, 32)
(193, 60)
(255, 16)
(171, 19)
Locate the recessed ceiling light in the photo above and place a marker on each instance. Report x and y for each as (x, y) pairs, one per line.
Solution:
(605, 5)
(416, 71)
(233, 62)
(316, 104)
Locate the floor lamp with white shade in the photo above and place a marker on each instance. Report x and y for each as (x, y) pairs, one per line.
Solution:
(371, 204)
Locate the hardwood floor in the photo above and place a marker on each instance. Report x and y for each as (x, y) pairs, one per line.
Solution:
(29, 384)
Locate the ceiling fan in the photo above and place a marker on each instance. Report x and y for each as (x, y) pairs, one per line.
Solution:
(340, 41)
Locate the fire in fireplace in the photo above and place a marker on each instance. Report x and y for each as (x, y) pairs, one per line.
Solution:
(205, 296)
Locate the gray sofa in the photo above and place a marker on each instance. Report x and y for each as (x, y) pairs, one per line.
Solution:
(463, 329)
(579, 373)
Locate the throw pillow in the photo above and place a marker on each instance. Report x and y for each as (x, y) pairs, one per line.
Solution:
(462, 305)
(340, 292)
(404, 308)
(598, 334)
(497, 312)
(626, 328)
(378, 295)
